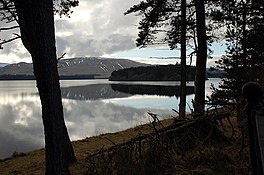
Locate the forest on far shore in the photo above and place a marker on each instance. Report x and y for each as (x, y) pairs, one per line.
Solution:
(159, 73)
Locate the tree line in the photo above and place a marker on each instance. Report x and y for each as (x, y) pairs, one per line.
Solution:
(152, 73)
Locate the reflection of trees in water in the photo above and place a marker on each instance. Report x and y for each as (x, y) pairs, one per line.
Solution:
(105, 91)
(151, 89)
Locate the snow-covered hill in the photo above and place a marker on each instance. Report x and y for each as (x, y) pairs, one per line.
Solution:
(102, 67)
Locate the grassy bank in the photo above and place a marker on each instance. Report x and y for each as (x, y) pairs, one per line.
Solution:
(165, 147)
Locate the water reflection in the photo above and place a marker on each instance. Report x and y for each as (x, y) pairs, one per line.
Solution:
(151, 89)
(20, 125)
(91, 92)
(106, 91)
(88, 118)
(86, 114)
(90, 108)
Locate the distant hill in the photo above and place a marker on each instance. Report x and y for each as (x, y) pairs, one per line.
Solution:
(3, 64)
(17, 69)
(85, 67)
(94, 67)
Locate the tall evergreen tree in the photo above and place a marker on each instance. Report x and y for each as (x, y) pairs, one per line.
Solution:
(159, 16)
(170, 18)
(244, 57)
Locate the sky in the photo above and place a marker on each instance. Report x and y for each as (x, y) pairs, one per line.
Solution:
(98, 28)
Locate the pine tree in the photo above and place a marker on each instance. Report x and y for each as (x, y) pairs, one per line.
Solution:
(244, 57)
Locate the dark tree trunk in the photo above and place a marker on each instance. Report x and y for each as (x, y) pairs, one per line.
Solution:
(182, 106)
(199, 99)
(38, 35)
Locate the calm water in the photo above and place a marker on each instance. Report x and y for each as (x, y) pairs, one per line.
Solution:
(91, 107)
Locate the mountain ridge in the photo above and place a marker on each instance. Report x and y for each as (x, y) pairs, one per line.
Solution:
(98, 67)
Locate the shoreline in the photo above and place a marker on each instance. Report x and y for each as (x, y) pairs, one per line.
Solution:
(33, 162)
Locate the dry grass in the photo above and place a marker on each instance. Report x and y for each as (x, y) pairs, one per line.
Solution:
(182, 152)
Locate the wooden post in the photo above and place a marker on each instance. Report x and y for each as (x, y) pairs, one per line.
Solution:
(253, 92)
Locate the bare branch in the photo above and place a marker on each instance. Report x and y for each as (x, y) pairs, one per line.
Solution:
(8, 28)
(17, 35)
(191, 56)
(62, 56)
(8, 41)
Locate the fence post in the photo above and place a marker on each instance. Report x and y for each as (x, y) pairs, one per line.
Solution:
(253, 92)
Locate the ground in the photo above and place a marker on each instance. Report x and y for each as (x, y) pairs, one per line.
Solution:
(194, 154)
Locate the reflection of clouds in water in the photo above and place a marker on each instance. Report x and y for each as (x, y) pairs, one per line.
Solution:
(88, 118)
(21, 126)
(24, 113)
(15, 135)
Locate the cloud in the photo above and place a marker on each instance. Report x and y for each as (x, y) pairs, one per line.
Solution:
(87, 45)
(94, 28)
(97, 28)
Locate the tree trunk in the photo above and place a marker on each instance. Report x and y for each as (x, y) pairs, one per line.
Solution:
(182, 106)
(199, 99)
(38, 34)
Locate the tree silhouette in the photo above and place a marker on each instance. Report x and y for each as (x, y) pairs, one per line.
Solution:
(35, 19)
(244, 57)
(199, 99)
(173, 19)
